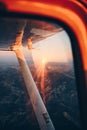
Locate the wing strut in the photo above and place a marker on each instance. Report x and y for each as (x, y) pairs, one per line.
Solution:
(41, 113)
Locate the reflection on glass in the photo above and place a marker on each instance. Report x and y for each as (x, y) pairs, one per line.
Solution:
(47, 49)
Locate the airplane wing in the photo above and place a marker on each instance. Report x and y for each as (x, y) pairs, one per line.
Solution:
(40, 30)
(17, 31)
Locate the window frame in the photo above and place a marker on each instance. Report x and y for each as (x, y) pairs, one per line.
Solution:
(73, 17)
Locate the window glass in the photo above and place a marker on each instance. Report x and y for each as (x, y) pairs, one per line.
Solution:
(47, 50)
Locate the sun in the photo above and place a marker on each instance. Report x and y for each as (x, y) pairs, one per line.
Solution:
(44, 61)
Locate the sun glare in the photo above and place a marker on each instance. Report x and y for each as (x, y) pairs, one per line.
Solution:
(44, 61)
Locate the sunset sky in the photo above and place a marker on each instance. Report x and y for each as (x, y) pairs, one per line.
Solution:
(56, 48)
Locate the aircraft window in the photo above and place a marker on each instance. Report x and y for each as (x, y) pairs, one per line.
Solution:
(47, 50)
